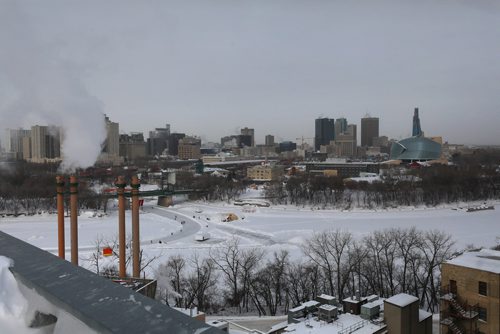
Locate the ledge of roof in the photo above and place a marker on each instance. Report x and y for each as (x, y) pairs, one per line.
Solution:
(104, 306)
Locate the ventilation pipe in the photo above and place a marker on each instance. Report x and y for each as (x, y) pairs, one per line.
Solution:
(136, 270)
(73, 192)
(120, 189)
(60, 216)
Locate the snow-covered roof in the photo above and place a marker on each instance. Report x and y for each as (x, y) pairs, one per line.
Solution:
(327, 307)
(310, 303)
(297, 309)
(402, 299)
(326, 297)
(343, 322)
(353, 300)
(371, 305)
(485, 259)
(422, 315)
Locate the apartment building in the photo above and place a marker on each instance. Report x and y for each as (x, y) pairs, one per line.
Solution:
(265, 173)
(470, 298)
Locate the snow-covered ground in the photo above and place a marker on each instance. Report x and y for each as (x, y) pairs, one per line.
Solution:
(170, 231)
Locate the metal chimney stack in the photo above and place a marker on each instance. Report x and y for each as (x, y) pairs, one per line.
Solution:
(136, 270)
(73, 191)
(60, 216)
(120, 189)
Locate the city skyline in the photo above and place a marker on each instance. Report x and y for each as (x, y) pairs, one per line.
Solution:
(275, 70)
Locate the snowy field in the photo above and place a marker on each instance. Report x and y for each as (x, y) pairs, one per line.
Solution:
(171, 231)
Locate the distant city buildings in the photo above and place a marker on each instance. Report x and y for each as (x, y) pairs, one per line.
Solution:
(251, 133)
(417, 147)
(345, 143)
(173, 143)
(334, 138)
(417, 131)
(157, 143)
(269, 140)
(324, 132)
(369, 130)
(340, 126)
(287, 146)
(133, 146)
(19, 143)
(40, 144)
(110, 153)
(263, 173)
(189, 148)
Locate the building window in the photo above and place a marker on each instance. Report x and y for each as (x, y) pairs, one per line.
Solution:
(483, 288)
(453, 286)
(483, 314)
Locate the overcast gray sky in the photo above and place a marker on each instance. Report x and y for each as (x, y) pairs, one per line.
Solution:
(211, 67)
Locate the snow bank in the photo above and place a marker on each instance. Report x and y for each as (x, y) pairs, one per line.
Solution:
(18, 305)
(13, 305)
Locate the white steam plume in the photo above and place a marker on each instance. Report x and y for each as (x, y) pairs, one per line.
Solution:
(40, 87)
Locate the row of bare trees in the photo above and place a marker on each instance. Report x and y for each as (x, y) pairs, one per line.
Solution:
(429, 186)
(210, 187)
(245, 279)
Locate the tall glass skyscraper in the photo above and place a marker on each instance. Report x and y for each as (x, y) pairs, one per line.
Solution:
(340, 126)
(369, 130)
(324, 132)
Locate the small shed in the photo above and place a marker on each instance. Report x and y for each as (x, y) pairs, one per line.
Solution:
(353, 305)
(370, 311)
(296, 313)
(327, 312)
(311, 306)
(326, 299)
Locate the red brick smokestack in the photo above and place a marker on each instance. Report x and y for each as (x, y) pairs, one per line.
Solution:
(60, 216)
(136, 270)
(120, 188)
(73, 191)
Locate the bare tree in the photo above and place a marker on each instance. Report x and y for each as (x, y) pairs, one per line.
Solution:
(329, 250)
(227, 259)
(200, 281)
(269, 283)
(436, 248)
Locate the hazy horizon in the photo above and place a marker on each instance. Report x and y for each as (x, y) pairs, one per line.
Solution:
(209, 68)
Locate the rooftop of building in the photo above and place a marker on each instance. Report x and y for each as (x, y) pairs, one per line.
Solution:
(346, 323)
(485, 260)
(402, 299)
(100, 304)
